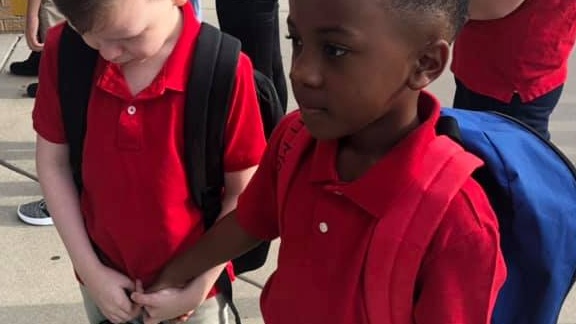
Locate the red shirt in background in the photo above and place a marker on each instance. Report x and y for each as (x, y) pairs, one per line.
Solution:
(525, 52)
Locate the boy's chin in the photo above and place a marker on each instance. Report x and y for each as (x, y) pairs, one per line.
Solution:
(321, 133)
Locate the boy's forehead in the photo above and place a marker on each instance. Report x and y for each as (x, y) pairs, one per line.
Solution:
(366, 16)
(335, 10)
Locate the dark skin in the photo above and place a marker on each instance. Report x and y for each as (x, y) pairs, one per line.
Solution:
(357, 71)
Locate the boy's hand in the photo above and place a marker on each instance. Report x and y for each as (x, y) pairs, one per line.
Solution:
(32, 26)
(162, 283)
(171, 303)
(108, 288)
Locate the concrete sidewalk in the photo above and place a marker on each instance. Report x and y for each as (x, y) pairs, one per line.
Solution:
(36, 280)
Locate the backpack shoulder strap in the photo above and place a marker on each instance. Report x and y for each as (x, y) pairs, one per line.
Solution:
(76, 64)
(392, 266)
(213, 74)
(208, 96)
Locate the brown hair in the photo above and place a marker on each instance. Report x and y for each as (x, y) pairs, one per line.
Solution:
(82, 14)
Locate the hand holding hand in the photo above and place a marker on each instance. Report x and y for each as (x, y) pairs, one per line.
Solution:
(108, 289)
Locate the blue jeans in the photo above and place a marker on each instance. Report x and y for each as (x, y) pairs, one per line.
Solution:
(535, 113)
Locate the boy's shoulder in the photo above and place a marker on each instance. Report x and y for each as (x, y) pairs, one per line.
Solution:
(289, 126)
(53, 37)
(469, 216)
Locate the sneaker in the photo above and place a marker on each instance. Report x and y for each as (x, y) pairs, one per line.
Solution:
(35, 213)
(31, 90)
(28, 67)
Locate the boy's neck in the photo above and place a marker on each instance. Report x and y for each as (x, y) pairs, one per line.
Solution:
(379, 137)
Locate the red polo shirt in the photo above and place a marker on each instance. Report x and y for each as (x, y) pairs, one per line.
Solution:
(136, 201)
(326, 227)
(525, 52)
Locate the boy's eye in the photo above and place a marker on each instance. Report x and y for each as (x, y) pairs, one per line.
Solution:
(296, 41)
(335, 51)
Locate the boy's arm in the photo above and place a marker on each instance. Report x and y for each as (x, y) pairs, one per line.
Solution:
(225, 241)
(492, 9)
(462, 275)
(62, 199)
(106, 286)
(245, 145)
(235, 183)
(33, 25)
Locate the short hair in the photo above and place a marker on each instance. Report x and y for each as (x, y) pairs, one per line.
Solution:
(82, 14)
(453, 12)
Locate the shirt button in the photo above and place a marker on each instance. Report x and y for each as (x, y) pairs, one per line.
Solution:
(323, 227)
(131, 110)
(338, 192)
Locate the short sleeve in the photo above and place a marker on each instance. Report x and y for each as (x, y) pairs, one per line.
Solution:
(47, 115)
(257, 209)
(245, 141)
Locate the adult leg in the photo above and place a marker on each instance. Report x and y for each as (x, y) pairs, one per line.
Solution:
(254, 23)
(536, 113)
(278, 76)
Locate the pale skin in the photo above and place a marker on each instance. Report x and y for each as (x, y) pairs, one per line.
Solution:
(33, 25)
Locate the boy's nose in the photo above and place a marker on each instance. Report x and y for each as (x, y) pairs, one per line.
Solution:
(110, 53)
(306, 72)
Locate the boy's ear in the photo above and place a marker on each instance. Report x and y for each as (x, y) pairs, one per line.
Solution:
(430, 64)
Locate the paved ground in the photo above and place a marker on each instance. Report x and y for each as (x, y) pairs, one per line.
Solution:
(35, 276)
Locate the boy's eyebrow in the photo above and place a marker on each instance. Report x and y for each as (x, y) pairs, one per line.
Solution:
(327, 30)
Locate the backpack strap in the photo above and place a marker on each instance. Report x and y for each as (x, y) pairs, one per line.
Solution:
(213, 74)
(206, 113)
(76, 65)
(392, 263)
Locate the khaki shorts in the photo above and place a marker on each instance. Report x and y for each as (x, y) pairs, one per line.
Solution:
(213, 311)
(49, 16)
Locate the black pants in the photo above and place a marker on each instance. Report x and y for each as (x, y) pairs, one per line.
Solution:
(255, 23)
(535, 113)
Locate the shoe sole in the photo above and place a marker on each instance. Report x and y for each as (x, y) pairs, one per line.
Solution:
(35, 221)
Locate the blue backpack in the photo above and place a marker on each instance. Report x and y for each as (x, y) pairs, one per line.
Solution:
(532, 188)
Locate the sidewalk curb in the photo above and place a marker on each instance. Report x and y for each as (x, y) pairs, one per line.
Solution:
(9, 52)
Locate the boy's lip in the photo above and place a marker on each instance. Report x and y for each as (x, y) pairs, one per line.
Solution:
(310, 109)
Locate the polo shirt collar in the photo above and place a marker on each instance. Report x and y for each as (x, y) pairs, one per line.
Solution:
(173, 75)
(384, 182)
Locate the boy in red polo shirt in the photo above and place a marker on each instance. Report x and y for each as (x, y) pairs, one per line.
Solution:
(135, 211)
(358, 70)
(512, 57)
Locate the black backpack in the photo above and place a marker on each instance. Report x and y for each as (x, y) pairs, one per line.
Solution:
(209, 89)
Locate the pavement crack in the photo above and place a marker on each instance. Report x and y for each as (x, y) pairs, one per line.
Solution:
(16, 169)
(9, 53)
(250, 282)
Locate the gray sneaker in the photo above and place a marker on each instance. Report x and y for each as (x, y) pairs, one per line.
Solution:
(35, 213)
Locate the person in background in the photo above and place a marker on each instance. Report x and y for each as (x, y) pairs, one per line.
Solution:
(255, 23)
(512, 57)
(40, 16)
